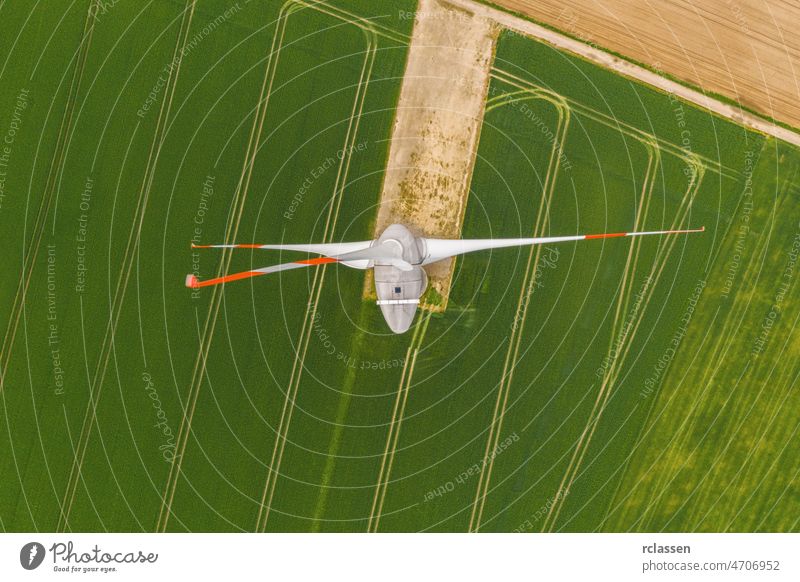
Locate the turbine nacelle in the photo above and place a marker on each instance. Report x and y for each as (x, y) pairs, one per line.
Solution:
(399, 289)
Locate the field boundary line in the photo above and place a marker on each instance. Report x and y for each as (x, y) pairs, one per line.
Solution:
(374, 27)
(305, 338)
(237, 206)
(620, 321)
(56, 170)
(277, 42)
(691, 192)
(131, 250)
(393, 436)
(630, 70)
(339, 425)
(697, 163)
(526, 291)
(691, 157)
(237, 209)
(656, 271)
(122, 281)
(610, 378)
(317, 284)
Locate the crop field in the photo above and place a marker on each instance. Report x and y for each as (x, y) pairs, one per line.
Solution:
(614, 385)
(634, 382)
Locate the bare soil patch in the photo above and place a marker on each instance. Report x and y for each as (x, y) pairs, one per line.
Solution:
(435, 135)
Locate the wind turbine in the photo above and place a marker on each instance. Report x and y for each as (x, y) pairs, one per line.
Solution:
(397, 258)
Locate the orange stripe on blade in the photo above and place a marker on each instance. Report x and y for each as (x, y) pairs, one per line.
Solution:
(245, 246)
(195, 283)
(227, 279)
(610, 235)
(319, 261)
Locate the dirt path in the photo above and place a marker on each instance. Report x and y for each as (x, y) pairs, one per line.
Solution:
(747, 50)
(435, 135)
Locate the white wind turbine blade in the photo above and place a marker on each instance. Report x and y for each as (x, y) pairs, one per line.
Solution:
(326, 249)
(438, 248)
(385, 252)
(194, 283)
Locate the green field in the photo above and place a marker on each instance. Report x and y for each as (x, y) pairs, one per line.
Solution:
(617, 385)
